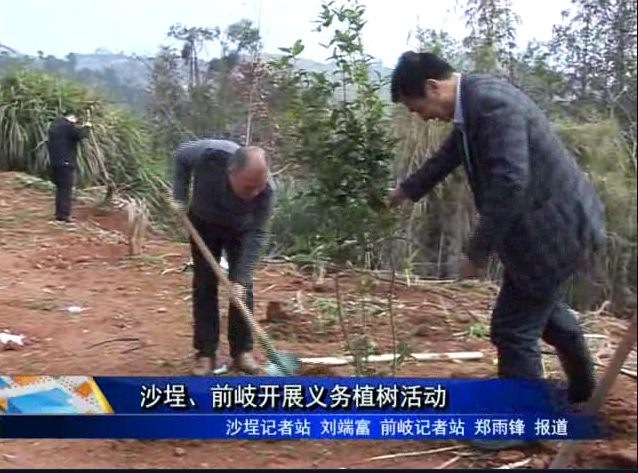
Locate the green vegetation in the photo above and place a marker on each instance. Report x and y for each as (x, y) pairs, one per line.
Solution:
(345, 144)
(330, 129)
(116, 153)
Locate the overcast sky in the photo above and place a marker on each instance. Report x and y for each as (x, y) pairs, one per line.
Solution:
(140, 25)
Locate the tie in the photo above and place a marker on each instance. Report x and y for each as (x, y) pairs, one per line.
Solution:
(466, 152)
(472, 177)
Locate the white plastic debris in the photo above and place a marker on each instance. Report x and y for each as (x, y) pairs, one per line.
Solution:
(75, 309)
(8, 340)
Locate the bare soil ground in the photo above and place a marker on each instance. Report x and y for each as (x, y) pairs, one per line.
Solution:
(47, 267)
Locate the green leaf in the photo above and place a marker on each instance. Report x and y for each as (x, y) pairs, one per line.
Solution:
(298, 48)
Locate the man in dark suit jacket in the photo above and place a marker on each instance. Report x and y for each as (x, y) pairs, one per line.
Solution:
(64, 136)
(538, 211)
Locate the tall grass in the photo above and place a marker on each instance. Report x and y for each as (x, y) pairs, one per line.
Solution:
(295, 220)
(116, 153)
(439, 226)
(606, 157)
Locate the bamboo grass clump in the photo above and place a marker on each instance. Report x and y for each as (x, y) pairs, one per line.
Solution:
(116, 154)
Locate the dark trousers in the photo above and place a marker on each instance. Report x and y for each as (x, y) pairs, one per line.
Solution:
(205, 293)
(63, 177)
(520, 320)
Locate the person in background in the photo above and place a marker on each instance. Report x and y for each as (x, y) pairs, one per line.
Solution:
(537, 211)
(232, 201)
(63, 138)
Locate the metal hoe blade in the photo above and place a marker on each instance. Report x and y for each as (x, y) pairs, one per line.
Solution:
(282, 364)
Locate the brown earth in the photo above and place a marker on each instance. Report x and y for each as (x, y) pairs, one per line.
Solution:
(47, 267)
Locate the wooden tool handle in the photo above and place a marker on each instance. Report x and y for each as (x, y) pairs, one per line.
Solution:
(598, 397)
(218, 272)
(262, 336)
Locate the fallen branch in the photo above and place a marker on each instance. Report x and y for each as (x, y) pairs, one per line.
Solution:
(282, 170)
(334, 361)
(171, 255)
(416, 454)
(182, 269)
(114, 340)
(135, 348)
(596, 336)
(276, 260)
(447, 463)
(515, 465)
(600, 310)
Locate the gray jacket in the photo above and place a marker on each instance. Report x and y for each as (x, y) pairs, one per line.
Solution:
(538, 210)
(213, 201)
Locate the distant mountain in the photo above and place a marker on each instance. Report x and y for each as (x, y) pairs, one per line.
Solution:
(135, 66)
(7, 51)
(130, 69)
(134, 71)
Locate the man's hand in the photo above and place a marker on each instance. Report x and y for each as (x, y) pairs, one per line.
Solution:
(87, 125)
(397, 197)
(471, 269)
(238, 291)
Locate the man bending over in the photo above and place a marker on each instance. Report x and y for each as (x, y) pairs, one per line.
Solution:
(233, 196)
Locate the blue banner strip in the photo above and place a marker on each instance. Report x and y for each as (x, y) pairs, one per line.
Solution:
(317, 426)
(332, 395)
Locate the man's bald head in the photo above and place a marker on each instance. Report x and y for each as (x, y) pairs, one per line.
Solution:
(248, 171)
(248, 158)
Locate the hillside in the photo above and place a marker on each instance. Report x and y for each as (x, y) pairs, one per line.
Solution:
(135, 320)
(118, 69)
(8, 51)
(103, 58)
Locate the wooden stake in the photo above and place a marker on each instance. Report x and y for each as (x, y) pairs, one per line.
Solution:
(597, 400)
